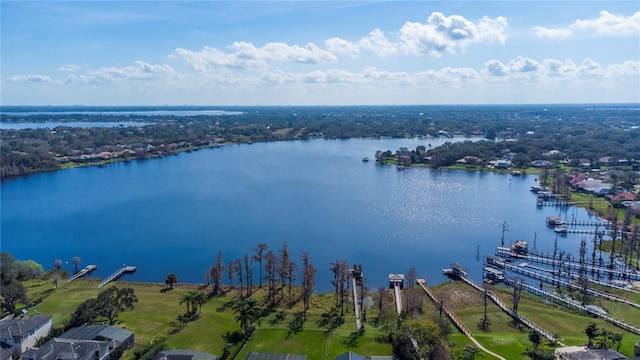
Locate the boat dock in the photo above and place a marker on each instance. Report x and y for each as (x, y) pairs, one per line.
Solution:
(86, 271)
(530, 324)
(456, 321)
(118, 274)
(593, 268)
(357, 277)
(575, 304)
(397, 282)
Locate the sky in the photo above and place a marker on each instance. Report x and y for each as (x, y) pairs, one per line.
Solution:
(319, 52)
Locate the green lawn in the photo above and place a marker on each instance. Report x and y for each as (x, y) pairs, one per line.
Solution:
(157, 310)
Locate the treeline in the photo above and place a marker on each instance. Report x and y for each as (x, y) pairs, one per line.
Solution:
(277, 268)
(576, 130)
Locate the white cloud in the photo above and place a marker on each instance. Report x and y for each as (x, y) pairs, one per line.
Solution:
(375, 42)
(245, 55)
(29, 79)
(605, 24)
(69, 68)
(139, 71)
(496, 68)
(611, 24)
(543, 32)
(449, 34)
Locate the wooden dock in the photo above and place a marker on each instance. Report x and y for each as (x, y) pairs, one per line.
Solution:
(356, 304)
(118, 274)
(86, 271)
(456, 321)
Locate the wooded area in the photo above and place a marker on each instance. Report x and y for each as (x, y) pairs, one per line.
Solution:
(575, 131)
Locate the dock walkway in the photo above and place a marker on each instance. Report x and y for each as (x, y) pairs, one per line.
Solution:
(87, 270)
(523, 270)
(118, 274)
(530, 324)
(456, 321)
(575, 304)
(396, 291)
(355, 304)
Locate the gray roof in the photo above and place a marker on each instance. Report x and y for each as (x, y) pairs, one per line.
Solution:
(18, 327)
(271, 356)
(97, 332)
(349, 355)
(180, 354)
(56, 349)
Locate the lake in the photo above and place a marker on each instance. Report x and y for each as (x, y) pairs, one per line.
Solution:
(172, 215)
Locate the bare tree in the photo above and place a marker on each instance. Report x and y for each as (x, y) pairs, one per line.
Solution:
(517, 289)
(260, 249)
(238, 269)
(308, 279)
(231, 272)
(283, 268)
(271, 262)
(248, 271)
(76, 261)
(582, 272)
(217, 273)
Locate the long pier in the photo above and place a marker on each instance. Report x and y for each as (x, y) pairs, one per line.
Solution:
(456, 321)
(523, 270)
(575, 304)
(396, 292)
(530, 324)
(548, 259)
(356, 303)
(118, 274)
(86, 271)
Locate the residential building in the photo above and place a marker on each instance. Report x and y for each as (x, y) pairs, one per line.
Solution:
(19, 334)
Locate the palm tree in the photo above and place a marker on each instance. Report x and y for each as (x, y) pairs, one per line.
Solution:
(187, 298)
(247, 311)
(469, 352)
(170, 280)
(198, 298)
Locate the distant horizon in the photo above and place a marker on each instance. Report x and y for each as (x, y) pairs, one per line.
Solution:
(317, 105)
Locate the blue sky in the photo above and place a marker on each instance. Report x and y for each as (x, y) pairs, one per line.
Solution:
(319, 52)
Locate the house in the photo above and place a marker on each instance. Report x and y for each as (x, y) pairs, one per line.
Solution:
(179, 354)
(269, 356)
(542, 164)
(469, 160)
(585, 353)
(349, 355)
(624, 196)
(101, 332)
(503, 164)
(89, 342)
(18, 335)
(69, 349)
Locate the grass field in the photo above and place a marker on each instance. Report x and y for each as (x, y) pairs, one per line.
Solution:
(157, 311)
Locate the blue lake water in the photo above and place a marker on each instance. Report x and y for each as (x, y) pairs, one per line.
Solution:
(173, 215)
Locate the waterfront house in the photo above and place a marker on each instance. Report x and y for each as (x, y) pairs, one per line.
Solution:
(180, 354)
(585, 353)
(96, 342)
(349, 355)
(503, 164)
(624, 196)
(271, 356)
(18, 335)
